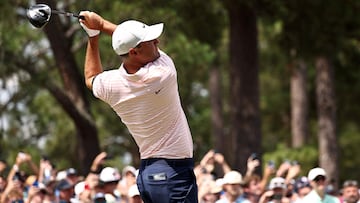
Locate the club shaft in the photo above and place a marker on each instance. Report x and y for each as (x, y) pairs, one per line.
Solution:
(66, 13)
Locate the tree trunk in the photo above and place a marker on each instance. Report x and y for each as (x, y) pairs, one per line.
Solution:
(72, 96)
(245, 129)
(326, 107)
(216, 109)
(299, 103)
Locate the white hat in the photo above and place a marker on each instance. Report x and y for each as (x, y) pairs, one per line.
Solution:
(232, 177)
(79, 188)
(61, 175)
(315, 172)
(130, 33)
(215, 187)
(277, 182)
(109, 174)
(133, 191)
(130, 169)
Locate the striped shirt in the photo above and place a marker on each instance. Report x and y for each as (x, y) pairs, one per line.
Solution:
(148, 103)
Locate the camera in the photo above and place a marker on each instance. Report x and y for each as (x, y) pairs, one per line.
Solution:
(18, 177)
(276, 197)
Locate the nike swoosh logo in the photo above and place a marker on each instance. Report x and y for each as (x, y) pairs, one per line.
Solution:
(158, 91)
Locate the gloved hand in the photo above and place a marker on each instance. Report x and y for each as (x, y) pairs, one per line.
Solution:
(90, 32)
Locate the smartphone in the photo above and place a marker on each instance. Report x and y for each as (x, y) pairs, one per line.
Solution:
(271, 164)
(253, 156)
(22, 155)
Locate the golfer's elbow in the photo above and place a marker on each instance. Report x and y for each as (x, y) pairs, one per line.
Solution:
(89, 82)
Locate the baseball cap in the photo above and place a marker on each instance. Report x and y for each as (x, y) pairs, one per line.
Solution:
(277, 182)
(130, 33)
(315, 172)
(130, 169)
(63, 185)
(109, 174)
(232, 177)
(71, 171)
(215, 186)
(61, 175)
(301, 182)
(79, 188)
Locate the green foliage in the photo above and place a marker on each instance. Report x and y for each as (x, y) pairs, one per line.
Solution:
(305, 156)
(349, 139)
(192, 60)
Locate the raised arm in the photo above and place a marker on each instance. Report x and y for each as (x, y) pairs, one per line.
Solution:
(92, 24)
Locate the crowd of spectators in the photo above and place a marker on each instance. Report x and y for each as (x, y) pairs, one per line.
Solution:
(217, 183)
(275, 185)
(45, 184)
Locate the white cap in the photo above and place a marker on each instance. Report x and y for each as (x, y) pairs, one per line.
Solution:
(61, 175)
(79, 188)
(109, 174)
(232, 177)
(130, 33)
(315, 172)
(130, 169)
(277, 182)
(133, 191)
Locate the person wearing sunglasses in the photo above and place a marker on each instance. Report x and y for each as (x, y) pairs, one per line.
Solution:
(350, 191)
(317, 178)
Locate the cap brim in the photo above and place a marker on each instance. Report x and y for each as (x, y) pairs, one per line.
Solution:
(154, 31)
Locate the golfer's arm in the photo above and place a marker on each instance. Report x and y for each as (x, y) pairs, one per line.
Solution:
(108, 27)
(92, 65)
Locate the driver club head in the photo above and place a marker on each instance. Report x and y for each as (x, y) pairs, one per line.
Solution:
(39, 15)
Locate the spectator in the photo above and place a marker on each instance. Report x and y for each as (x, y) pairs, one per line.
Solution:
(350, 192)
(252, 163)
(108, 180)
(36, 193)
(2, 184)
(301, 189)
(64, 191)
(232, 188)
(251, 188)
(3, 166)
(210, 191)
(204, 171)
(276, 192)
(47, 173)
(134, 194)
(317, 178)
(129, 174)
(269, 170)
(14, 190)
(72, 176)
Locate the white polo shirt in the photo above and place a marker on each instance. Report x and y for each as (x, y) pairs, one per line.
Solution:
(148, 103)
(313, 197)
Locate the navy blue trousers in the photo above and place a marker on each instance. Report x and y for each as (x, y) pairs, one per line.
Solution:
(167, 181)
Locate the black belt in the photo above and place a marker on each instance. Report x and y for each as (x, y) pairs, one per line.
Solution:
(169, 162)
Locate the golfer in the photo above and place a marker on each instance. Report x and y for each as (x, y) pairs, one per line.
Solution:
(143, 92)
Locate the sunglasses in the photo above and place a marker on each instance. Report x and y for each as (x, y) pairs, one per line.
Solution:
(320, 178)
(349, 183)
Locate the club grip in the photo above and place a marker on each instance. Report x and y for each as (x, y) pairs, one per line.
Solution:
(80, 17)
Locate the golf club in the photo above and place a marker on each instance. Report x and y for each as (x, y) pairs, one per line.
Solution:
(39, 14)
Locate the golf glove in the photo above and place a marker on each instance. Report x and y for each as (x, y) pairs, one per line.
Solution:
(90, 32)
